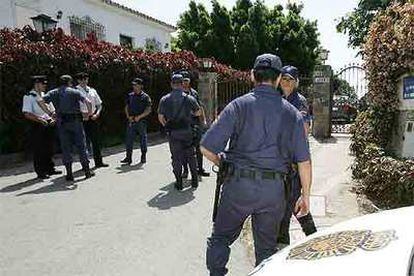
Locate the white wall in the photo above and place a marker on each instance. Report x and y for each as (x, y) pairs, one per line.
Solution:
(7, 12)
(115, 20)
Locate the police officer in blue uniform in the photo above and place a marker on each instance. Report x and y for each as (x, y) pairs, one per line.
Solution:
(198, 125)
(137, 108)
(175, 114)
(289, 84)
(42, 130)
(265, 135)
(66, 101)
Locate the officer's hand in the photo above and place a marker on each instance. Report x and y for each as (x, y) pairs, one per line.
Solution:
(137, 118)
(131, 119)
(302, 206)
(95, 117)
(52, 122)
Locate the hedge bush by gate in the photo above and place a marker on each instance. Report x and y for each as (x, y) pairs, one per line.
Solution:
(24, 52)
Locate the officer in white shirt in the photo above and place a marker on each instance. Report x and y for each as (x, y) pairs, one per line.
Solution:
(90, 123)
(42, 129)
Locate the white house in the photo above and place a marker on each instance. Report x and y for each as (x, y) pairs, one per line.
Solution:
(109, 20)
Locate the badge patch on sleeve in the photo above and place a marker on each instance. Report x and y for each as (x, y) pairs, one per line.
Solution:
(341, 243)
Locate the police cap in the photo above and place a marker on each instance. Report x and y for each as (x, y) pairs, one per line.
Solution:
(186, 75)
(291, 71)
(82, 76)
(177, 78)
(268, 61)
(137, 81)
(39, 79)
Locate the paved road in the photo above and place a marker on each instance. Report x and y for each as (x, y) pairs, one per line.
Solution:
(125, 221)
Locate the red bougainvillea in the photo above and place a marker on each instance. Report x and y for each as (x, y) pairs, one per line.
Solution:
(24, 52)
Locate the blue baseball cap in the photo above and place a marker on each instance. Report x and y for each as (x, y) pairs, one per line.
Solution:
(291, 71)
(268, 61)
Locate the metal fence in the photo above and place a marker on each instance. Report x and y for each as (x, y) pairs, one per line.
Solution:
(230, 90)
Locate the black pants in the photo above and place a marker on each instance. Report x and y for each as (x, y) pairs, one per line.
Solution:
(92, 134)
(197, 135)
(43, 140)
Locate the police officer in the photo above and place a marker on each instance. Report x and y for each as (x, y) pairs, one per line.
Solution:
(198, 124)
(175, 114)
(137, 108)
(90, 123)
(69, 121)
(265, 135)
(289, 84)
(42, 130)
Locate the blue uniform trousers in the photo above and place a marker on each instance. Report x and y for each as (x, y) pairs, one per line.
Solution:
(265, 201)
(182, 151)
(134, 129)
(72, 133)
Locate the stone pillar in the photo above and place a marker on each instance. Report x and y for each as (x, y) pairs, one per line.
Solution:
(322, 101)
(207, 88)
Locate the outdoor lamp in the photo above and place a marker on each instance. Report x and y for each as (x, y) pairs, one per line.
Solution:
(43, 23)
(207, 63)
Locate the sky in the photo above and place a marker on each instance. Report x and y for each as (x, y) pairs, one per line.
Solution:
(326, 12)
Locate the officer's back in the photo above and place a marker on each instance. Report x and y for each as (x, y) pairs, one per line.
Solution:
(66, 100)
(264, 124)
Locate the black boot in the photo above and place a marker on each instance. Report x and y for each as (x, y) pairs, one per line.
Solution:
(128, 159)
(69, 174)
(143, 158)
(307, 224)
(88, 172)
(202, 172)
(178, 183)
(194, 181)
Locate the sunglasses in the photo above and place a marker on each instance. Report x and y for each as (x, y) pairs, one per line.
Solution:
(287, 79)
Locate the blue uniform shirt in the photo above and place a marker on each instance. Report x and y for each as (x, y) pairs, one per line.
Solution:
(264, 130)
(171, 103)
(137, 103)
(299, 101)
(66, 100)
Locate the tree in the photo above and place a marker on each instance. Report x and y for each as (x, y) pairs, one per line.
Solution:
(297, 40)
(343, 88)
(250, 29)
(194, 25)
(239, 16)
(219, 38)
(258, 15)
(356, 24)
(247, 48)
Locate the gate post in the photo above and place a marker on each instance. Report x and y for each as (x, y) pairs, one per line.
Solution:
(207, 88)
(322, 101)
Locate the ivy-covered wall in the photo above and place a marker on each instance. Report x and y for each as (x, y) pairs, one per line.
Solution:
(389, 53)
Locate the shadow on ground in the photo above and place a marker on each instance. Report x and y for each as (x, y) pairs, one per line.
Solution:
(58, 185)
(128, 168)
(18, 168)
(169, 197)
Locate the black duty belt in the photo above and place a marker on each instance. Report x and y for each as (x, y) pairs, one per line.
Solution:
(258, 174)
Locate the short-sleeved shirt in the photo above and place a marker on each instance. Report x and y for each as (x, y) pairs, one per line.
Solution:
(65, 99)
(196, 96)
(263, 130)
(92, 95)
(137, 103)
(299, 101)
(30, 105)
(177, 105)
